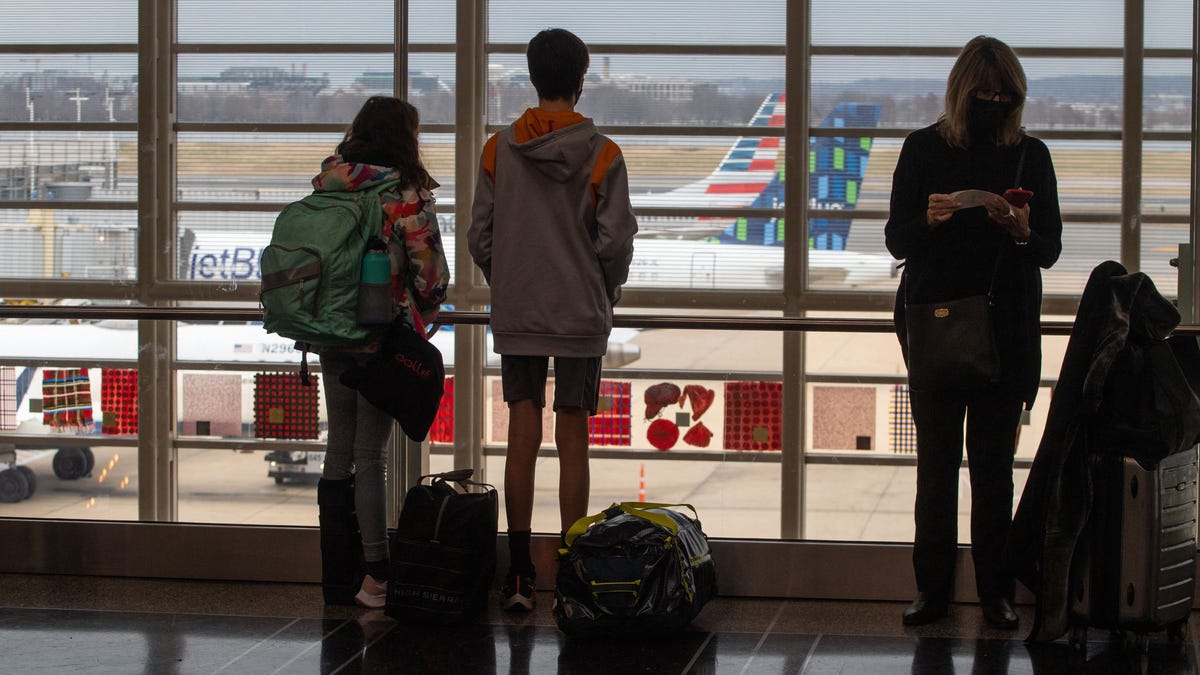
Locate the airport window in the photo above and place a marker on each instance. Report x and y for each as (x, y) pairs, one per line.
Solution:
(97, 150)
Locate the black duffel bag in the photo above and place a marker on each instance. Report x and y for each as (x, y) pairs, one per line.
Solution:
(633, 569)
(443, 552)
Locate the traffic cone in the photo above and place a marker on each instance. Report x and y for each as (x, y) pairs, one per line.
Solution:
(642, 484)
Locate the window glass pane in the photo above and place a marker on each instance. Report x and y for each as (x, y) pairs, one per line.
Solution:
(1063, 93)
(1166, 179)
(68, 244)
(1166, 192)
(71, 166)
(284, 21)
(69, 21)
(1169, 24)
(756, 22)
(738, 500)
(1168, 91)
(431, 21)
(431, 86)
(68, 88)
(76, 454)
(631, 89)
(274, 168)
(949, 23)
(294, 88)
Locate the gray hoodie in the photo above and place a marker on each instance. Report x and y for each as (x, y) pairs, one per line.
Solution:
(552, 229)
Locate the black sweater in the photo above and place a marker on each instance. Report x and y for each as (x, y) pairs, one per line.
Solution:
(957, 258)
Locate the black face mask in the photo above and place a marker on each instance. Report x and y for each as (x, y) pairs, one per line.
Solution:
(986, 117)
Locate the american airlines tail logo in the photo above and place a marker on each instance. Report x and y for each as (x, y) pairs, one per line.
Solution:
(413, 365)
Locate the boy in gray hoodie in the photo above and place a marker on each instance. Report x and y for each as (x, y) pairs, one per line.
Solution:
(552, 229)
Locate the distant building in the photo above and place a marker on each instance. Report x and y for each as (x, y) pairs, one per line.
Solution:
(273, 79)
(383, 80)
(674, 89)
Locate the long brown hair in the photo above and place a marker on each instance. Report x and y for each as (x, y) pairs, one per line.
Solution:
(384, 133)
(983, 63)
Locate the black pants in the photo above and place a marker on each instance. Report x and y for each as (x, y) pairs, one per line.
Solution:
(991, 422)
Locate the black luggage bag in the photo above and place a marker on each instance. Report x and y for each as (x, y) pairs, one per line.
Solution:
(1135, 568)
(443, 552)
(634, 569)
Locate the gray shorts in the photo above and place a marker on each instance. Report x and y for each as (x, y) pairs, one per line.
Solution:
(576, 381)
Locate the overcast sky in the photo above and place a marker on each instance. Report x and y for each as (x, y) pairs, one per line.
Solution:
(948, 23)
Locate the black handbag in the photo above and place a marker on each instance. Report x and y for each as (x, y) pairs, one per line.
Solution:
(405, 378)
(951, 344)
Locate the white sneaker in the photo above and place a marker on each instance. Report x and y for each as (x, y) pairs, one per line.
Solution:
(373, 593)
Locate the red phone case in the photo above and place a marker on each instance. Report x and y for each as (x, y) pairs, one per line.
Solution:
(1017, 196)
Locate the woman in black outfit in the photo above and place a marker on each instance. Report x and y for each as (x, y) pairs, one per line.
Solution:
(952, 251)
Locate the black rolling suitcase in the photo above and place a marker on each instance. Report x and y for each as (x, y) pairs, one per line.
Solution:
(1135, 568)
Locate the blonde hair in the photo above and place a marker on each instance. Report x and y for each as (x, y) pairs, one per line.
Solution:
(983, 63)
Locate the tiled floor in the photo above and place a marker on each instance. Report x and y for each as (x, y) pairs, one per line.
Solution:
(55, 624)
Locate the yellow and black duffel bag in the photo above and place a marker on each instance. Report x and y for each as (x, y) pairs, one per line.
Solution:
(634, 568)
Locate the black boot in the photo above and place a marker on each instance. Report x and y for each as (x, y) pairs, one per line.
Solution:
(341, 542)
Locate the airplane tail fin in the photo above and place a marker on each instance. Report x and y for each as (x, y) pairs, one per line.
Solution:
(836, 166)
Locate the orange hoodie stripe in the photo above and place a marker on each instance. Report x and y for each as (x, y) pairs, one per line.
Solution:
(489, 156)
(604, 160)
(608, 153)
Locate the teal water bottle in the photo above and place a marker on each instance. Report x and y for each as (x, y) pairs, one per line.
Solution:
(375, 285)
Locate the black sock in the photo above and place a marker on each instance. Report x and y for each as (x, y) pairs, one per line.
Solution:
(377, 569)
(520, 561)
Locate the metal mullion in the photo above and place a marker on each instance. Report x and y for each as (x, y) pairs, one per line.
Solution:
(69, 205)
(655, 49)
(797, 67)
(229, 206)
(308, 48)
(651, 298)
(676, 130)
(156, 255)
(71, 48)
(286, 128)
(1132, 122)
(66, 288)
(68, 126)
(952, 52)
(470, 117)
(683, 212)
(877, 132)
(315, 48)
(204, 291)
(168, 314)
(1194, 165)
(1166, 219)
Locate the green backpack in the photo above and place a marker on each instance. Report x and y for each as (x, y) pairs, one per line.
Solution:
(310, 270)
